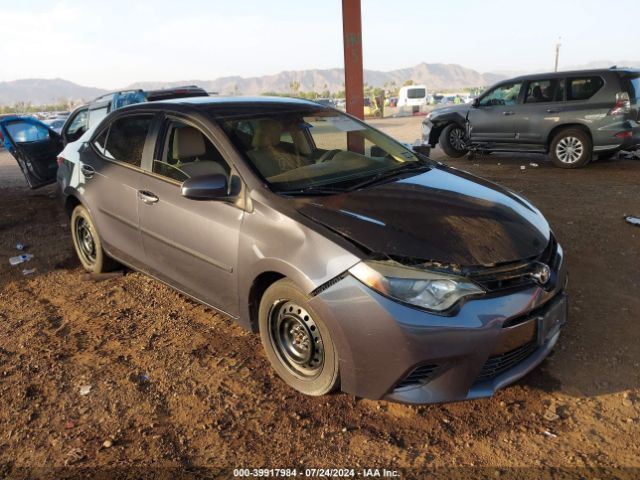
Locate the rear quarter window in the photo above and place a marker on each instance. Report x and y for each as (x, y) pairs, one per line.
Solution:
(583, 88)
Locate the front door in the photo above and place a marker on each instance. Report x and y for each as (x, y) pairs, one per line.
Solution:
(492, 119)
(191, 244)
(34, 146)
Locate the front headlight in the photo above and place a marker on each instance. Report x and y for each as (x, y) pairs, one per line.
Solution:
(423, 288)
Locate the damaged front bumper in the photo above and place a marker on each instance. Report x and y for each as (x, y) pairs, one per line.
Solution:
(392, 351)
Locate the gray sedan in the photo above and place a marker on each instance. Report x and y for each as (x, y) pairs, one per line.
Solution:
(363, 265)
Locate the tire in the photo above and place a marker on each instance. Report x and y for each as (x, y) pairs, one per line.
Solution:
(297, 342)
(452, 139)
(87, 243)
(571, 148)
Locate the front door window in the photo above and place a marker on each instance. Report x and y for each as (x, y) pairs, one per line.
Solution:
(188, 153)
(506, 94)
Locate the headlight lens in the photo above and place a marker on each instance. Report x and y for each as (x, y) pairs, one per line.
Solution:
(423, 288)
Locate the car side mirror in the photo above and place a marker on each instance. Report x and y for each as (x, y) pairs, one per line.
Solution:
(210, 187)
(476, 102)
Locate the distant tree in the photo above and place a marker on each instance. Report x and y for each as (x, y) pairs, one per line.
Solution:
(408, 82)
(294, 87)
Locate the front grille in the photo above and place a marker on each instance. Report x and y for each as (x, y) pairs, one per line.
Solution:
(501, 363)
(515, 275)
(418, 376)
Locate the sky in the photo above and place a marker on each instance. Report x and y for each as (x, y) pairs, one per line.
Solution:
(111, 44)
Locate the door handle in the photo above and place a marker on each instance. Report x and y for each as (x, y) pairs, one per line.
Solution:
(147, 197)
(508, 112)
(87, 170)
(553, 110)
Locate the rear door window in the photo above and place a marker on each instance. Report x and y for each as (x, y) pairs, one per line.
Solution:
(542, 91)
(583, 88)
(125, 139)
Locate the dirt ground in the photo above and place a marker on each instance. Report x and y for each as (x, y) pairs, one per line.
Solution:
(174, 385)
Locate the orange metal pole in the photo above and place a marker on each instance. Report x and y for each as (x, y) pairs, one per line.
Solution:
(353, 72)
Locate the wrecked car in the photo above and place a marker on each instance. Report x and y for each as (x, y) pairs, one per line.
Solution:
(363, 265)
(574, 117)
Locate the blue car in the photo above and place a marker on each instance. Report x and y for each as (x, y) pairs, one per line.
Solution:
(36, 145)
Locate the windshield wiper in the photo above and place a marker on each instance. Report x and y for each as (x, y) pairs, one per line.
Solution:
(378, 177)
(313, 191)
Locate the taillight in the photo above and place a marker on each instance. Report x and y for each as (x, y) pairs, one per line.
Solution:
(59, 160)
(623, 135)
(623, 104)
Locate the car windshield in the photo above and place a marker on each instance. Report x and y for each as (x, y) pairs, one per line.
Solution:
(297, 147)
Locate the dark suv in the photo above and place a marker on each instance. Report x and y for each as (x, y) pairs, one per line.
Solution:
(571, 116)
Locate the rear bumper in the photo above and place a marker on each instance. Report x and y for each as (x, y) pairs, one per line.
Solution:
(381, 343)
(605, 140)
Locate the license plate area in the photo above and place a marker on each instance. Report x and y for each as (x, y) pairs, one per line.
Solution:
(552, 319)
(516, 336)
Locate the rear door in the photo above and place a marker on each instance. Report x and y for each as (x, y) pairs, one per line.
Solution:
(35, 147)
(541, 111)
(492, 119)
(110, 177)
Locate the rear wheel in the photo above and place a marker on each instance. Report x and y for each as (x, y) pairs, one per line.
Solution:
(87, 243)
(453, 141)
(571, 148)
(297, 342)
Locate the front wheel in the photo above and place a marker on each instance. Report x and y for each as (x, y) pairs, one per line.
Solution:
(571, 148)
(453, 141)
(87, 243)
(297, 342)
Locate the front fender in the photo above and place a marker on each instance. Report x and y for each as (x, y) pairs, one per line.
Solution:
(442, 120)
(271, 241)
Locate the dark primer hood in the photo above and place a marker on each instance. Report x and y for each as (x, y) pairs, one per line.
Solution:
(441, 215)
(462, 109)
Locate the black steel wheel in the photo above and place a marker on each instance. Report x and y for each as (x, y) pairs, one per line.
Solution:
(87, 243)
(86, 246)
(296, 338)
(297, 342)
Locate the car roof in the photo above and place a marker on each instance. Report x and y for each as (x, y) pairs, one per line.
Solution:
(571, 73)
(201, 103)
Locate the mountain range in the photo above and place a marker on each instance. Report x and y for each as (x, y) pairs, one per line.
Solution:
(436, 76)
